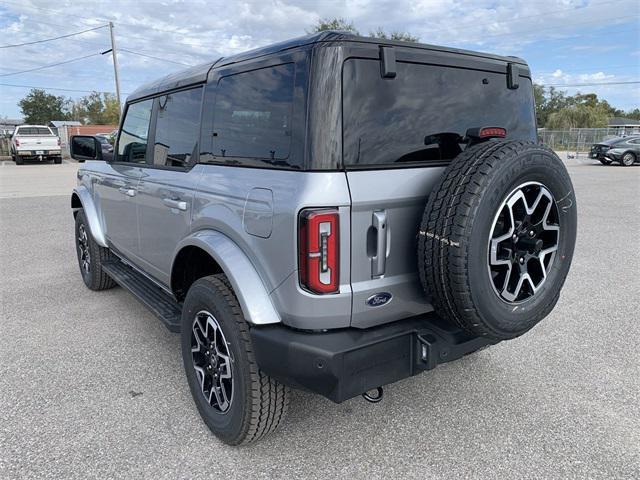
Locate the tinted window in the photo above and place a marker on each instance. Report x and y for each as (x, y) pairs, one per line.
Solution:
(40, 131)
(132, 145)
(422, 113)
(253, 114)
(177, 128)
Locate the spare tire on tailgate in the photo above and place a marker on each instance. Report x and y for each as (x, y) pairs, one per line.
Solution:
(497, 238)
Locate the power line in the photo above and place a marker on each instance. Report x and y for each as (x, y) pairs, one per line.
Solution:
(155, 58)
(587, 84)
(51, 39)
(50, 65)
(56, 88)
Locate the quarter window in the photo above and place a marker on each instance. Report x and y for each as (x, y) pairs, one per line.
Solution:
(132, 145)
(253, 114)
(177, 128)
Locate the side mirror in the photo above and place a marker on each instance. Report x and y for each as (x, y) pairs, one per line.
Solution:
(85, 147)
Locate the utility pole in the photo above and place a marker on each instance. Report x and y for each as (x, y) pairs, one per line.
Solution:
(115, 64)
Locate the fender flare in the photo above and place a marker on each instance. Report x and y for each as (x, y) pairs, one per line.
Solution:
(90, 213)
(251, 292)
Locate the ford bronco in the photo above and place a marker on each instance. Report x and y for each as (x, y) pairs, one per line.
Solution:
(332, 213)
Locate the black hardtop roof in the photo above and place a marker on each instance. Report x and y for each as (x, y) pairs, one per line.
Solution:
(198, 73)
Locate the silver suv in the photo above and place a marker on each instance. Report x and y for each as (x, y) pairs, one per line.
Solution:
(332, 213)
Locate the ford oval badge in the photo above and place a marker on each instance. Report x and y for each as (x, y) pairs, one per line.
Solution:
(379, 299)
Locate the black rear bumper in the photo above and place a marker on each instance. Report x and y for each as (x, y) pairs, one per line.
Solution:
(345, 363)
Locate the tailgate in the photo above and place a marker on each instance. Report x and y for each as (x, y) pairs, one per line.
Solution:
(29, 142)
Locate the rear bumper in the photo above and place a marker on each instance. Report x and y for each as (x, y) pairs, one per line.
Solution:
(345, 363)
(33, 153)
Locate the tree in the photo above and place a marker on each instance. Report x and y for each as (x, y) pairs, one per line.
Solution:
(96, 108)
(325, 24)
(40, 107)
(395, 35)
(578, 116)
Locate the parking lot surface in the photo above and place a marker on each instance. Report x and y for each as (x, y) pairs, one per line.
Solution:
(92, 386)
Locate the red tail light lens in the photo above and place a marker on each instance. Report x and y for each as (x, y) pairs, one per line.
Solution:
(492, 132)
(319, 250)
(17, 142)
(58, 141)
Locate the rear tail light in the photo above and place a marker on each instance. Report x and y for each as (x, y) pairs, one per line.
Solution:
(17, 142)
(319, 250)
(58, 141)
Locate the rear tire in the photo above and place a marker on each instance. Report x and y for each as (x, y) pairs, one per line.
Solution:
(57, 161)
(238, 402)
(91, 256)
(19, 160)
(485, 192)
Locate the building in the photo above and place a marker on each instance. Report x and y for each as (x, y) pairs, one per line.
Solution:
(624, 126)
(8, 125)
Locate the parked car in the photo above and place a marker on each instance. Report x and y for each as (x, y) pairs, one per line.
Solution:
(106, 146)
(625, 152)
(35, 142)
(333, 213)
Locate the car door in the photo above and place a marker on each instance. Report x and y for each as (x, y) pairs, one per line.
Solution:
(116, 188)
(166, 187)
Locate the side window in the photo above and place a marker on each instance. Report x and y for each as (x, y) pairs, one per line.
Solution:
(177, 128)
(253, 115)
(132, 144)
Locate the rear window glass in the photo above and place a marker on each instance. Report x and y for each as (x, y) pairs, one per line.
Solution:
(253, 114)
(422, 114)
(34, 131)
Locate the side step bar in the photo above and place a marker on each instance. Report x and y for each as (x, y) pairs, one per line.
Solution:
(148, 293)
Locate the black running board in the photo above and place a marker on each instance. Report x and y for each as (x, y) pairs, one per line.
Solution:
(161, 303)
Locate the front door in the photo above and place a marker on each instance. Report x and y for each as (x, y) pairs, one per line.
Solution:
(115, 192)
(166, 187)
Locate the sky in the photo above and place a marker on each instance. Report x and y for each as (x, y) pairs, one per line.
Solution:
(565, 42)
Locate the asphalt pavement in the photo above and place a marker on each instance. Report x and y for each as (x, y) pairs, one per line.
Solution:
(92, 385)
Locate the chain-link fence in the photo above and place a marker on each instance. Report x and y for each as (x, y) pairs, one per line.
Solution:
(577, 140)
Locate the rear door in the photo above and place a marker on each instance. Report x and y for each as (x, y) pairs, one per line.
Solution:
(166, 187)
(398, 136)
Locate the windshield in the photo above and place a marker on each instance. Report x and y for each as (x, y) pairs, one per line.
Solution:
(423, 113)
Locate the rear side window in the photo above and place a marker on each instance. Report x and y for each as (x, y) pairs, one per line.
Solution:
(177, 128)
(39, 131)
(253, 115)
(422, 114)
(132, 144)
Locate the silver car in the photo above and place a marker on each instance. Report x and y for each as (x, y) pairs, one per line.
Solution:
(333, 213)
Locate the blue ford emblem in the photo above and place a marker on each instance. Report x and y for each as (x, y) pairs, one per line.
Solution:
(379, 299)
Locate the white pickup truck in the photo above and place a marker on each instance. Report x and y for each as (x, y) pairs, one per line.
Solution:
(35, 142)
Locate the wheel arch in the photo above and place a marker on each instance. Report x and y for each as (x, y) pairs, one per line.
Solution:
(81, 199)
(208, 252)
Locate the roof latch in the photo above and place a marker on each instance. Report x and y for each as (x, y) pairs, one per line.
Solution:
(387, 62)
(513, 76)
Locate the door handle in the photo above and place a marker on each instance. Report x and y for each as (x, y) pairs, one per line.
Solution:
(129, 192)
(379, 260)
(175, 203)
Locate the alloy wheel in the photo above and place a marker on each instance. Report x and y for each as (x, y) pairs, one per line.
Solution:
(83, 249)
(523, 242)
(212, 361)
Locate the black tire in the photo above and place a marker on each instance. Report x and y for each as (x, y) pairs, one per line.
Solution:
(19, 160)
(92, 275)
(457, 228)
(628, 159)
(257, 402)
(57, 161)
(605, 161)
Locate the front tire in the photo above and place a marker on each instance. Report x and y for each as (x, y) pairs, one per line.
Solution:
(605, 161)
(238, 402)
(628, 159)
(91, 256)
